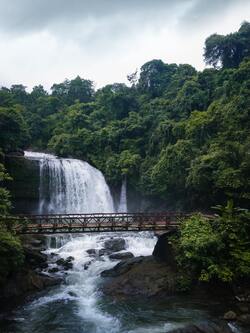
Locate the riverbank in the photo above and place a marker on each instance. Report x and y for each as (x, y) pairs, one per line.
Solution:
(30, 279)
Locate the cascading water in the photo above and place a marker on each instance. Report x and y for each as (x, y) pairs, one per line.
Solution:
(123, 206)
(71, 186)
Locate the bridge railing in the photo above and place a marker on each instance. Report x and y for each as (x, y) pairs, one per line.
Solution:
(94, 222)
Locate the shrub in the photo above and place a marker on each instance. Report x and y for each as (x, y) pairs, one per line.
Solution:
(216, 249)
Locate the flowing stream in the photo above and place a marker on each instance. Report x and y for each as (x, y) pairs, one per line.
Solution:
(77, 305)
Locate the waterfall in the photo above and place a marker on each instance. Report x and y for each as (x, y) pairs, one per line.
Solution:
(122, 208)
(71, 186)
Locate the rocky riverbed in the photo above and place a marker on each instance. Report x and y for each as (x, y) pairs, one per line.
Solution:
(133, 279)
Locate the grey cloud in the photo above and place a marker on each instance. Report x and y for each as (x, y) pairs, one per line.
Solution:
(20, 17)
(204, 11)
(28, 15)
(24, 16)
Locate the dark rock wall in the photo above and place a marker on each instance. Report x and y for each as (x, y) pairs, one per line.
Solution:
(24, 187)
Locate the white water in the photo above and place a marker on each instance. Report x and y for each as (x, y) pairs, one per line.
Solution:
(82, 285)
(71, 186)
(123, 206)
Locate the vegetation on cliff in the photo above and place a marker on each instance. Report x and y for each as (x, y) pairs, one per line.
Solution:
(216, 249)
(178, 134)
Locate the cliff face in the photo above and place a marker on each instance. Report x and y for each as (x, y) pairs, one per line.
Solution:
(24, 187)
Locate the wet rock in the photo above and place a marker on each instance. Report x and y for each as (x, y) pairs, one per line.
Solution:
(37, 242)
(121, 256)
(26, 282)
(92, 252)
(203, 327)
(122, 268)
(72, 294)
(244, 319)
(243, 308)
(65, 263)
(16, 153)
(140, 276)
(60, 262)
(230, 315)
(163, 248)
(34, 258)
(115, 244)
(86, 265)
(103, 252)
(53, 270)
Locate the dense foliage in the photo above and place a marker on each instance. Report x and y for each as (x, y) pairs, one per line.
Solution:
(175, 133)
(216, 249)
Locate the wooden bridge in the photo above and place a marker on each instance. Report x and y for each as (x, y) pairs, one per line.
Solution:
(85, 223)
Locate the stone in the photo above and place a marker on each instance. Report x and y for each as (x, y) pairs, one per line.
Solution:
(86, 265)
(115, 244)
(34, 257)
(103, 252)
(203, 327)
(65, 263)
(244, 319)
(163, 249)
(60, 262)
(72, 294)
(26, 282)
(144, 276)
(121, 256)
(243, 308)
(53, 270)
(230, 315)
(91, 252)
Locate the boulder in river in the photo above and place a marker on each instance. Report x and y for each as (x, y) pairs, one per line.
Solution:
(244, 319)
(203, 327)
(92, 252)
(115, 244)
(103, 252)
(140, 276)
(230, 315)
(121, 256)
(65, 263)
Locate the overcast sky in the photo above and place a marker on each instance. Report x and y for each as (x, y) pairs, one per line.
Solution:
(46, 41)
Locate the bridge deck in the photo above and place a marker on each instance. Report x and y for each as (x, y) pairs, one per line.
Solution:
(109, 222)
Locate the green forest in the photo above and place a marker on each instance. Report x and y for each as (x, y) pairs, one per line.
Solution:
(175, 133)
